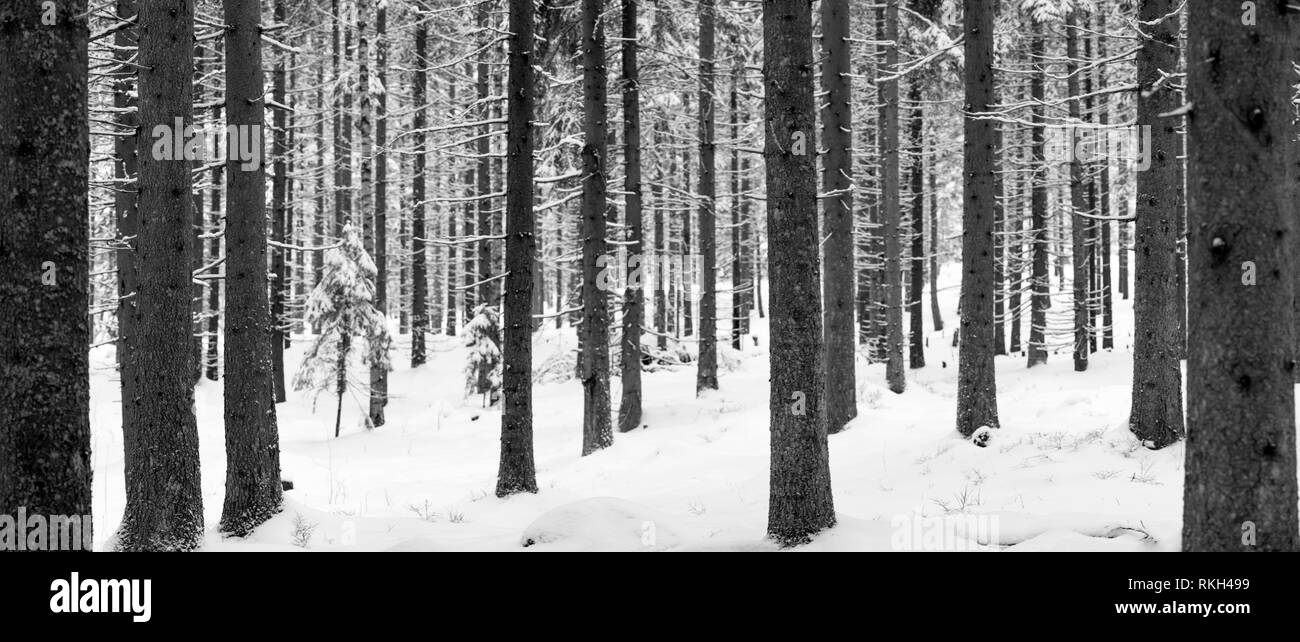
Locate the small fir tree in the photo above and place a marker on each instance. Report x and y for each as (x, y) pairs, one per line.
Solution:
(483, 367)
(342, 304)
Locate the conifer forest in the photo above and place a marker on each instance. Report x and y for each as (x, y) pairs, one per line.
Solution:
(662, 275)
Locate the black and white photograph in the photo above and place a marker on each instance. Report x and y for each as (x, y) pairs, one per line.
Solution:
(453, 276)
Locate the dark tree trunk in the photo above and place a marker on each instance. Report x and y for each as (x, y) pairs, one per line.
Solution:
(342, 125)
(999, 245)
(126, 212)
(746, 252)
(487, 289)
(516, 472)
(279, 204)
(1125, 236)
(706, 374)
(758, 274)
(453, 260)
(837, 186)
(916, 284)
(739, 278)
(1078, 203)
(1039, 279)
(320, 227)
(469, 253)
(934, 251)
(1156, 417)
(164, 504)
(687, 305)
(1240, 491)
(1103, 197)
(1092, 238)
(890, 213)
(253, 490)
(661, 249)
(45, 465)
(629, 408)
(799, 501)
(977, 401)
(597, 433)
(1015, 263)
(419, 260)
(379, 373)
(341, 384)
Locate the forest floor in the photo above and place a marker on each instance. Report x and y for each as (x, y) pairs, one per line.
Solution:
(1062, 473)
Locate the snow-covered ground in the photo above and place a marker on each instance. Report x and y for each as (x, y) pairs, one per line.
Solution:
(1063, 472)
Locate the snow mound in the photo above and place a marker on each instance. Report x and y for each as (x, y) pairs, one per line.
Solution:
(415, 545)
(1075, 542)
(601, 524)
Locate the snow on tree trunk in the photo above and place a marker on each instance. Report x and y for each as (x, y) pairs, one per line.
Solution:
(629, 407)
(597, 432)
(977, 403)
(253, 490)
(799, 501)
(517, 471)
(45, 439)
(164, 504)
(1156, 417)
(706, 373)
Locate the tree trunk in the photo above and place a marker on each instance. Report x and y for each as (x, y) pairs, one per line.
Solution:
(253, 490)
(279, 203)
(1040, 281)
(343, 125)
(999, 244)
(916, 289)
(799, 501)
(516, 472)
(739, 278)
(629, 408)
(1103, 195)
(597, 433)
(319, 223)
(1156, 417)
(164, 504)
(934, 250)
(379, 373)
(890, 214)
(126, 213)
(419, 260)
(1240, 490)
(837, 185)
(977, 402)
(1078, 204)
(1124, 242)
(341, 384)
(661, 249)
(45, 465)
(706, 374)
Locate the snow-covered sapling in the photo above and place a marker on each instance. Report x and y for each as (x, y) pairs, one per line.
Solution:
(483, 367)
(343, 306)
